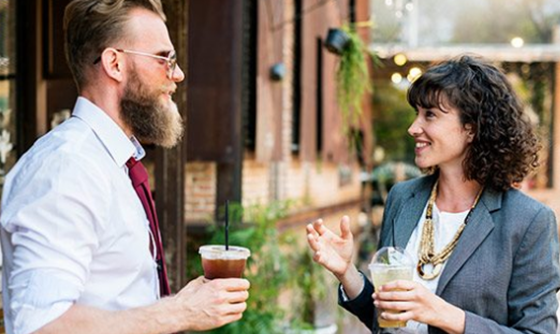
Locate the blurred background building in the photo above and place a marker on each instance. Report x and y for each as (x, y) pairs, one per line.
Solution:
(522, 37)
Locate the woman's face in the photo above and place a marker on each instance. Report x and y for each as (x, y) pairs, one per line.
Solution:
(441, 139)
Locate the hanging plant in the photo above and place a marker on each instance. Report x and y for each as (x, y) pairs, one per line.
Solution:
(352, 79)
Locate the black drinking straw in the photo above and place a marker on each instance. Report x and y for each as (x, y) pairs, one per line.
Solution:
(227, 225)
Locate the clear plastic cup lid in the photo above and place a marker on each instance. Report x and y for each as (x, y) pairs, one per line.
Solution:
(220, 252)
(391, 256)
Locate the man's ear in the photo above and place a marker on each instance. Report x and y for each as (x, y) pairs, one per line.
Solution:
(112, 64)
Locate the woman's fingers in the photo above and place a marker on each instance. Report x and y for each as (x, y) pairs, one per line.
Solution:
(400, 290)
(396, 305)
(399, 285)
(397, 316)
(310, 229)
(345, 232)
(320, 227)
(313, 242)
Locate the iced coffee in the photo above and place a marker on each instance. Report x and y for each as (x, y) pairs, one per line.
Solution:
(218, 262)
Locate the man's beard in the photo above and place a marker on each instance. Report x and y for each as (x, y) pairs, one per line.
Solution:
(152, 121)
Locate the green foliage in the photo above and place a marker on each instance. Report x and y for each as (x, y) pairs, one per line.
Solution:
(352, 79)
(266, 268)
(308, 285)
(392, 117)
(270, 269)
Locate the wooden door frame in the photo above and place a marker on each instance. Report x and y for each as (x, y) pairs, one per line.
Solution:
(170, 163)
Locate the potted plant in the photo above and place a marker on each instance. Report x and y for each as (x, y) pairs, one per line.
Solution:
(336, 41)
(352, 78)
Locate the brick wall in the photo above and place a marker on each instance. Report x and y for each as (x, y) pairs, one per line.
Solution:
(200, 191)
(310, 184)
(313, 184)
(256, 182)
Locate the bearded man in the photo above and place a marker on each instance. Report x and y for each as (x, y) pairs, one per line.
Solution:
(81, 246)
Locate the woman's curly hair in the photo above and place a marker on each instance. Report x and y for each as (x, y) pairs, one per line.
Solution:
(505, 145)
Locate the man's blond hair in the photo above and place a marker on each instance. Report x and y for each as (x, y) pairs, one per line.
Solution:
(90, 26)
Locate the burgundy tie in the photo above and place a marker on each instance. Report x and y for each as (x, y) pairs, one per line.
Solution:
(139, 177)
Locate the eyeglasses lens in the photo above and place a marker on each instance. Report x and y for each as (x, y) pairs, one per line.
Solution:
(171, 64)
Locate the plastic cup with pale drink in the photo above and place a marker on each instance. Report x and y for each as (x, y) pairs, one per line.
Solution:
(219, 262)
(390, 264)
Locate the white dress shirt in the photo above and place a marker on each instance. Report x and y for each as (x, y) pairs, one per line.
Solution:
(73, 229)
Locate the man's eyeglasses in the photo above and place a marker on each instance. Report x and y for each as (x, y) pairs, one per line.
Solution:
(171, 59)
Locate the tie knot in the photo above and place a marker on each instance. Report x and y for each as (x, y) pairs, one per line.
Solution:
(131, 162)
(136, 172)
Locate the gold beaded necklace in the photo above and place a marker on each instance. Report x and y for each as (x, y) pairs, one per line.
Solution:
(426, 253)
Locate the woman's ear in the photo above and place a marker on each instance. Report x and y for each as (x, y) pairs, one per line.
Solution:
(111, 61)
(470, 132)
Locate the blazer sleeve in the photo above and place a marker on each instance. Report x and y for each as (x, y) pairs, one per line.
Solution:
(532, 302)
(361, 306)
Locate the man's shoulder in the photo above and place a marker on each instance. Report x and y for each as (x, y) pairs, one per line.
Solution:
(68, 149)
(72, 135)
(73, 138)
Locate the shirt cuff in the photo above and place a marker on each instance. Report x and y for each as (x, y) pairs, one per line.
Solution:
(343, 294)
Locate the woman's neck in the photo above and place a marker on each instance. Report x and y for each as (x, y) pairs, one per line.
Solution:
(455, 193)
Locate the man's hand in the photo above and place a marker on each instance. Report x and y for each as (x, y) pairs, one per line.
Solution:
(208, 304)
(200, 305)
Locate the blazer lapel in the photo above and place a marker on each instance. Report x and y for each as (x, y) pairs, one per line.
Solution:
(409, 214)
(479, 226)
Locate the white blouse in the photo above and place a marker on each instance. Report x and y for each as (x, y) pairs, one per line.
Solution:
(446, 225)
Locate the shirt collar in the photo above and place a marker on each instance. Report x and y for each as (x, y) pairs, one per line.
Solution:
(119, 146)
(139, 150)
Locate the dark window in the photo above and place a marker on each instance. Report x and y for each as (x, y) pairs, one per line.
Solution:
(249, 100)
(296, 79)
(319, 95)
(352, 12)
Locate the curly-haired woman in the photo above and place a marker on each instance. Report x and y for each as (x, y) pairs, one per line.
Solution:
(487, 254)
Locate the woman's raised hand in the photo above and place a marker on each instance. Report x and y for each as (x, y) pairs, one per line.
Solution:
(332, 251)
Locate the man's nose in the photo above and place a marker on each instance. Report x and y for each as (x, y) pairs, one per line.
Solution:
(178, 74)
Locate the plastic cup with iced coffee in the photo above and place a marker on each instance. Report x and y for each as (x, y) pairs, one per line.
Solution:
(219, 262)
(390, 264)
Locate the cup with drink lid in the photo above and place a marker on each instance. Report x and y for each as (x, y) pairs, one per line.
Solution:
(390, 264)
(224, 261)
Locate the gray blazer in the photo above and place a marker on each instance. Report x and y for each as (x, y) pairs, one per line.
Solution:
(504, 272)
